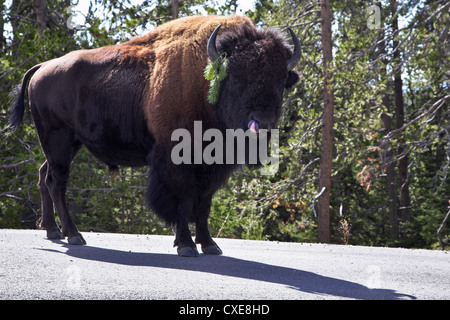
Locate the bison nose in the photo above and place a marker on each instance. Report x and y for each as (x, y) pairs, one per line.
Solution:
(261, 122)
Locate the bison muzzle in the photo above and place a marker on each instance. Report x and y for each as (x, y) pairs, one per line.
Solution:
(123, 102)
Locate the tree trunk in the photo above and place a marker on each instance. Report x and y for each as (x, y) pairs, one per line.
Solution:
(40, 9)
(388, 158)
(14, 20)
(404, 208)
(175, 9)
(326, 159)
(2, 22)
(390, 174)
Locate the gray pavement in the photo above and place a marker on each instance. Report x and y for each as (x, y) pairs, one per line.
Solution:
(123, 266)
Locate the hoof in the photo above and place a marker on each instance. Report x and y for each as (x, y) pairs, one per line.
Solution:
(77, 240)
(213, 249)
(55, 235)
(187, 252)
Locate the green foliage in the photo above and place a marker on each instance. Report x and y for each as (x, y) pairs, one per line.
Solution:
(282, 204)
(215, 72)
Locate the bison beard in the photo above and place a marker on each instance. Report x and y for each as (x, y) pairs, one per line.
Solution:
(123, 102)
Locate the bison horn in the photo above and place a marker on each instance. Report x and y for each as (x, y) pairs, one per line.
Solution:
(293, 61)
(213, 53)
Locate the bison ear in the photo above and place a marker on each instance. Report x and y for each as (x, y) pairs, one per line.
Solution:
(292, 79)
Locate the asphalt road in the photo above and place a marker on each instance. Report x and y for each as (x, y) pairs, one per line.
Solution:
(123, 266)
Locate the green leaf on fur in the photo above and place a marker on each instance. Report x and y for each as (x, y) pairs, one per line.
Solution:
(215, 72)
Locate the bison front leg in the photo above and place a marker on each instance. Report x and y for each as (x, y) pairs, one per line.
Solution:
(202, 235)
(171, 206)
(204, 238)
(183, 240)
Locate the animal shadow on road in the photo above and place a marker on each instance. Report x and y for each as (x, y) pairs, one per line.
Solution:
(304, 281)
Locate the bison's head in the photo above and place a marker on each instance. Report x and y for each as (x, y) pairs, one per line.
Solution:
(260, 64)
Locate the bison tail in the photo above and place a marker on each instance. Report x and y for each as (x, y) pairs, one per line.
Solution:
(18, 106)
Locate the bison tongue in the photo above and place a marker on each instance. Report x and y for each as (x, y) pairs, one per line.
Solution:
(253, 126)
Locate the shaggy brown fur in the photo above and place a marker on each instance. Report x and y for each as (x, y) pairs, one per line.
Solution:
(178, 90)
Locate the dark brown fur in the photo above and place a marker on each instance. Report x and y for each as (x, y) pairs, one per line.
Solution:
(123, 102)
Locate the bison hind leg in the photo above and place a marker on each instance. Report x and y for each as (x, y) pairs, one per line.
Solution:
(48, 216)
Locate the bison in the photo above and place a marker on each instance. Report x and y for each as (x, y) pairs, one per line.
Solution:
(122, 102)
